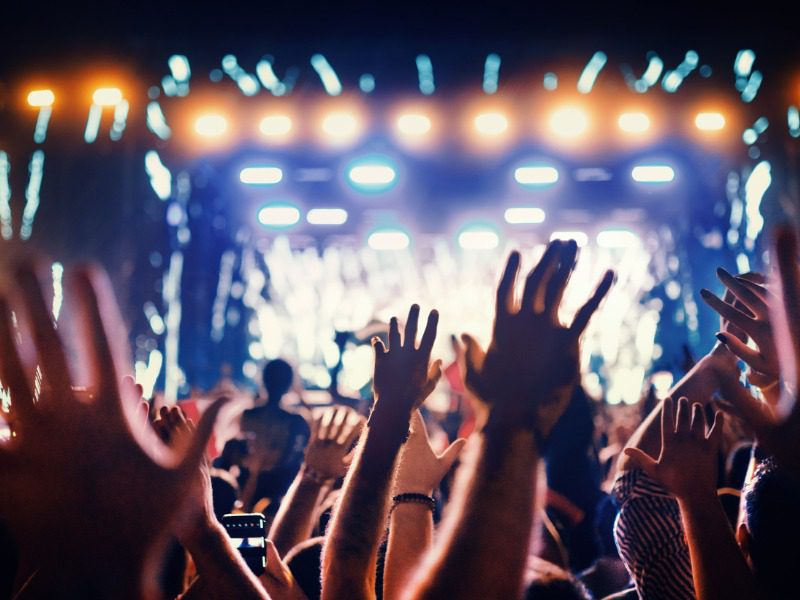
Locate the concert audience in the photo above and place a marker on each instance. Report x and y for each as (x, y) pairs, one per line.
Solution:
(96, 484)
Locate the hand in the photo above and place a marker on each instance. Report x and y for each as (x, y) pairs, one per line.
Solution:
(532, 362)
(421, 470)
(332, 435)
(87, 458)
(404, 375)
(687, 465)
(778, 429)
(278, 580)
(749, 315)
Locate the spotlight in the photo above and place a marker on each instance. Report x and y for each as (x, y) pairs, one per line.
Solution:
(634, 122)
(653, 173)
(211, 125)
(110, 96)
(709, 121)
(275, 126)
(388, 239)
(278, 215)
(536, 175)
(40, 98)
(414, 124)
(261, 175)
(327, 216)
(579, 236)
(617, 238)
(569, 122)
(372, 174)
(523, 215)
(478, 239)
(491, 123)
(341, 127)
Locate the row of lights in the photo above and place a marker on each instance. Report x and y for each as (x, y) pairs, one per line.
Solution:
(107, 96)
(379, 174)
(345, 127)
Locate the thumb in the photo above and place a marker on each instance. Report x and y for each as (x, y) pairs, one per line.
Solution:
(451, 453)
(199, 440)
(275, 567)
(642, 461)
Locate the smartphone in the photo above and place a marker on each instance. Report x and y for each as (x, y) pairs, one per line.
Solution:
(249, 538)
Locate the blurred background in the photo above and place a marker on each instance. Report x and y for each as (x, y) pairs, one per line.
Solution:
(278, 180)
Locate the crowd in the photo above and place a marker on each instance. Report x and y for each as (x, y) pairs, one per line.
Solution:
(549, 494)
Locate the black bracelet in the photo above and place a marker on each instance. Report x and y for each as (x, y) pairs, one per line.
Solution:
(414, 498)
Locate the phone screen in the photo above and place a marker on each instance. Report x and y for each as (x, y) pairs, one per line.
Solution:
(247, 535)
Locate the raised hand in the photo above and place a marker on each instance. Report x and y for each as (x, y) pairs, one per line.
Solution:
(532, 362)
(404, 375)
(77, 466)
(421, 470)
(328, 453)
(778, 429)
(687, 464)
(749, 315)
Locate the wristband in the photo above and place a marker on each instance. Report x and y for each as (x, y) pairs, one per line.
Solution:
(316, 476)
(414, 498)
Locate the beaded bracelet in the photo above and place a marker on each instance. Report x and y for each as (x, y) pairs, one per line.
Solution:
(414, 498)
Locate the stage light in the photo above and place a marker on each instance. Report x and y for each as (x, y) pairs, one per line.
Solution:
(211, 125)
(274, 126)
(278, 215)
(522, 215)
(538, 176)
(491, 123)
(478, 239)
(40, 98)
(709, 121)
(372, 174)
(653, 173)
(110, 96)
(341, 127)
(261, 175)
(579, 236)
(414, 124)
(569, 122)
(327, 216)
(634, 122)
(617, 238)
(388, 239)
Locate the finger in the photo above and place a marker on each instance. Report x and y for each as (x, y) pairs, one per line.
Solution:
(338, 424)
(394, 334)
(683, 416)
(429, 335)
(325, 425)
(505, 289)
(539, 273)
(642, 461)
(757, 287)
(585, 313)
(741, 350)
(729, 312)
(451, 454)
(356, 426)
(315, 426)
(103, 334)
(434, 375)
(378, 347)
(667, 420)
(11, 370)
(755, 303)
(412, 322)
(276, 573)
(715, 435)
(558, 282)
(199, 441)
(698, 423)
(49, 347)
(742, 404)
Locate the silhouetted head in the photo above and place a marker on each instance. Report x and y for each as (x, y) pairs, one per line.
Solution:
(277, 378)
(770, 535)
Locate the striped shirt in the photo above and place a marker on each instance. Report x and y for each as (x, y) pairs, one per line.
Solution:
(650, 538)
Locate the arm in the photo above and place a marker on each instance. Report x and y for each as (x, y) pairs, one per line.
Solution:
(411, 525)
(687, 468)
(332, 436)
(527, 391)
(403, 379)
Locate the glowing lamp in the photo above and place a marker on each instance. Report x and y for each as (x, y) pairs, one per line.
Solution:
(40, 98)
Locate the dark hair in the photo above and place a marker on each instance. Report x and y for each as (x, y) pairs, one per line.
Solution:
(556, 588)
(772, 500)
(277, 377)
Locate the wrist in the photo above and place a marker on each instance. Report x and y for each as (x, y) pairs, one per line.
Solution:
(203, 534)
(698, 499)
(312, 476)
